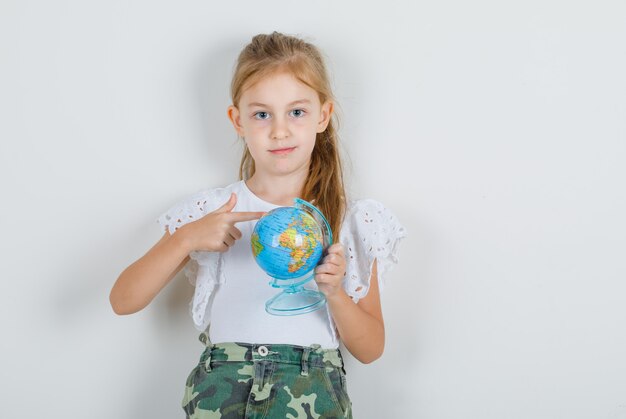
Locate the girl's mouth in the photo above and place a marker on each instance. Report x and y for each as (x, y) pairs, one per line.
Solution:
(283, 150)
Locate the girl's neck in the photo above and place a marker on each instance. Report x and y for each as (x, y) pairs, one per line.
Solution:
(279, 190)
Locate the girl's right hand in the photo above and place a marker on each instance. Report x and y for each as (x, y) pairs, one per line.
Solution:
(216, 231)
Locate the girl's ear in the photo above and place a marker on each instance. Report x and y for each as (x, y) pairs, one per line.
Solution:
(325, 114)
(234, 116)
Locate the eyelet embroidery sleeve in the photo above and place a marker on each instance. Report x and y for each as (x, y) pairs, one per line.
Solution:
(204, 269)
(370, 231)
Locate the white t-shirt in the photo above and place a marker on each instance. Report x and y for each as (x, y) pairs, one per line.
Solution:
(231, 289)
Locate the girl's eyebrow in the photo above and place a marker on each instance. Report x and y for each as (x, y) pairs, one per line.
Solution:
(295, 102)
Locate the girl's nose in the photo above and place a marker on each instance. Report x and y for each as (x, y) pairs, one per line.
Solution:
(280, 129)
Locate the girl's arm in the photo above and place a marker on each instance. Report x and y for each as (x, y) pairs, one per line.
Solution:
(138, 284)
(360, 325)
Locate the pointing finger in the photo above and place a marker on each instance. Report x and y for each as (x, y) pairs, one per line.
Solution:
(246, 216)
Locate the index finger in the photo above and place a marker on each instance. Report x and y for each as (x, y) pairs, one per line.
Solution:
(245, 216)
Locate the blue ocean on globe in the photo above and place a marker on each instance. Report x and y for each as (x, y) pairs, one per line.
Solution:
(287, 243)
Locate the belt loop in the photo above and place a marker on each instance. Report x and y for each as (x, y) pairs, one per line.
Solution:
(204, 338)
(207, 362)
(342, 362)
(305, 361)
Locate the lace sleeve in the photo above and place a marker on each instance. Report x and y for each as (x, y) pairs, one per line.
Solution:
(204, 269)
(370, 232)
(189, 209)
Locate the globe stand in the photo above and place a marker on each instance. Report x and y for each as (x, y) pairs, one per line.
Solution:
(294, 299)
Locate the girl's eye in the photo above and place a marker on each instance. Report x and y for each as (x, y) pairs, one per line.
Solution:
(261, 115)
(298, 113)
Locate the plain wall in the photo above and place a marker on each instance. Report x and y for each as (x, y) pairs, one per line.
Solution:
(496, 131)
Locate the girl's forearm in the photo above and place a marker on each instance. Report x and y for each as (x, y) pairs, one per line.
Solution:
(361, 333)
(138, 284)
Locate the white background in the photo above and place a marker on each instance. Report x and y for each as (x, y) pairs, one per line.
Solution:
(496, 131)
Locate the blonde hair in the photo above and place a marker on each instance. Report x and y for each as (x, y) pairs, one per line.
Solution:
(268, 54)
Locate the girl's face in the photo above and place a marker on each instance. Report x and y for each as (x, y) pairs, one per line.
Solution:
(279, 118)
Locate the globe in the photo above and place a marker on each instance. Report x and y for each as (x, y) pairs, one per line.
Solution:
(288, 243)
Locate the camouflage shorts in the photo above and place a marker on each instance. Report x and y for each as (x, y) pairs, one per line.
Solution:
(241, 380)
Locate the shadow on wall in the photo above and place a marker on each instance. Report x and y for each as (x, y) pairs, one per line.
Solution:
(179, 348)
(404, 300)
(210, 91)
(83, 291)
(175, 353)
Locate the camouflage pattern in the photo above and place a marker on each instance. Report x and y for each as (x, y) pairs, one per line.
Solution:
(241, 380)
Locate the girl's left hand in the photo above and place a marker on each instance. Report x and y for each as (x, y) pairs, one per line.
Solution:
(329, 274)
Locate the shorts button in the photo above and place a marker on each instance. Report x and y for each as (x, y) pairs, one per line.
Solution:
(262, 351)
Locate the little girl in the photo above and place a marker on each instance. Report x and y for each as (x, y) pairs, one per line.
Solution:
(256, 364)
